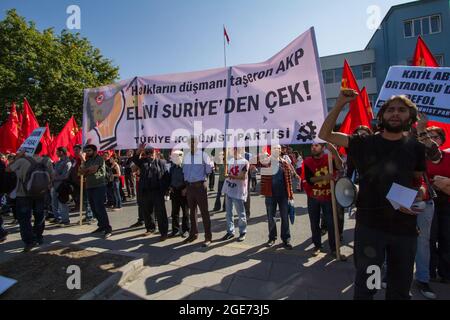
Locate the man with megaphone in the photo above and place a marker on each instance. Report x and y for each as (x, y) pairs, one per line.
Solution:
(382, 160)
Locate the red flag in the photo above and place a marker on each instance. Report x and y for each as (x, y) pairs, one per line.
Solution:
(367, 105)
(357, 114)
(47, 142)
(68, 137)
(423, 56)
(29, 122)
(226, 35)
(10, 136)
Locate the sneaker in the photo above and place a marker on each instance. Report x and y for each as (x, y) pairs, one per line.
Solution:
(64, 224)
(241, 237)
(28, 247)
(425, 290)
(185, 234)
(287, 245)
(206, 244)
(55, 221)
(270, 243)
(137, 224)
(88, 220)
(227, 236)
(163, 238)
(174, 234)
(107, 234)
(316, 252)
(98, 230)
(342, 257)
(190, 239)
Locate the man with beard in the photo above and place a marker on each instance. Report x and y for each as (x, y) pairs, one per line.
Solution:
(381, 160)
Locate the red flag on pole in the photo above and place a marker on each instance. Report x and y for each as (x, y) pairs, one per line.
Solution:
(10, 136)
(357, 114)
(367, 105)
(29, 122)
(225, 34)
(47, 142)
(423, 56)
(68, 137)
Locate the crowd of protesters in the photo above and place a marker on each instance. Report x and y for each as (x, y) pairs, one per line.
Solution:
(396, 151)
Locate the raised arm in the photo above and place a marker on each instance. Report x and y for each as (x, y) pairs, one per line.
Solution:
(326, 132)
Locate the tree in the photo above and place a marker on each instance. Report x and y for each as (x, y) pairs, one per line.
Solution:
(50, 70)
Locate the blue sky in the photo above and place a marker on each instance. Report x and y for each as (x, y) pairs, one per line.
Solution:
(147, 37)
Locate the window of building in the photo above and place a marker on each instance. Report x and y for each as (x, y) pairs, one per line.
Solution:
(440, 59)
(367, 71)
(435, 24)
(328, 76)
(408, 29)
(422, 26)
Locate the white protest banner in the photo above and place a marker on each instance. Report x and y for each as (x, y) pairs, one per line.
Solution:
(428, 88)
(31, 143)
(279, 100)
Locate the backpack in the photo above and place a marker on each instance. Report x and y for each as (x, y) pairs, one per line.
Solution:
(37, 180)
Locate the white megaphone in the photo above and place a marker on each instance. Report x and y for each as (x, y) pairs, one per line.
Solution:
(346, 192)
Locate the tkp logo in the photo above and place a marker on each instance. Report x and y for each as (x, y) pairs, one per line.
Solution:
(234, 171)
(99, 99)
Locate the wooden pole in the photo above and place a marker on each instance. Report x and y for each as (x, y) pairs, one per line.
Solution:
(334, 205)
(81, 199)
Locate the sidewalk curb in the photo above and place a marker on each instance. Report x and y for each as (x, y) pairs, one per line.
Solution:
(120, 277)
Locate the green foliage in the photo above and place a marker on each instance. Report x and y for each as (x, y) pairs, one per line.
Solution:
(50, 70)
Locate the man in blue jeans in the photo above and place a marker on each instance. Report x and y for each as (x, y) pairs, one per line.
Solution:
(276, 186)
(93, 168)
(235, 189)
(60, 174)
(26, 205)
(424, 221)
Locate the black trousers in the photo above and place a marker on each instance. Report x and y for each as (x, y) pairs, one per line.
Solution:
(372, 246)
(440, 243)
(212, 180)
(179, 202)
(140, 206)
(129, 181)
(153, 204)
(247, 202)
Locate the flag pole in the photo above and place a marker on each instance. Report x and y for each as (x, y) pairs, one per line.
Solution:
(334, 206)
(81, 199)
(224, 48)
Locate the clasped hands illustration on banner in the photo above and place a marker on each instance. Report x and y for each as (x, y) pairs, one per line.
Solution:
(107, 109)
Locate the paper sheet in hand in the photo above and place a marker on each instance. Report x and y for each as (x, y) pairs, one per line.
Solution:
(400, 196)
(6, 283)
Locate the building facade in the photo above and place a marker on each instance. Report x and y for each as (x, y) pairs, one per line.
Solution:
(392, 44)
